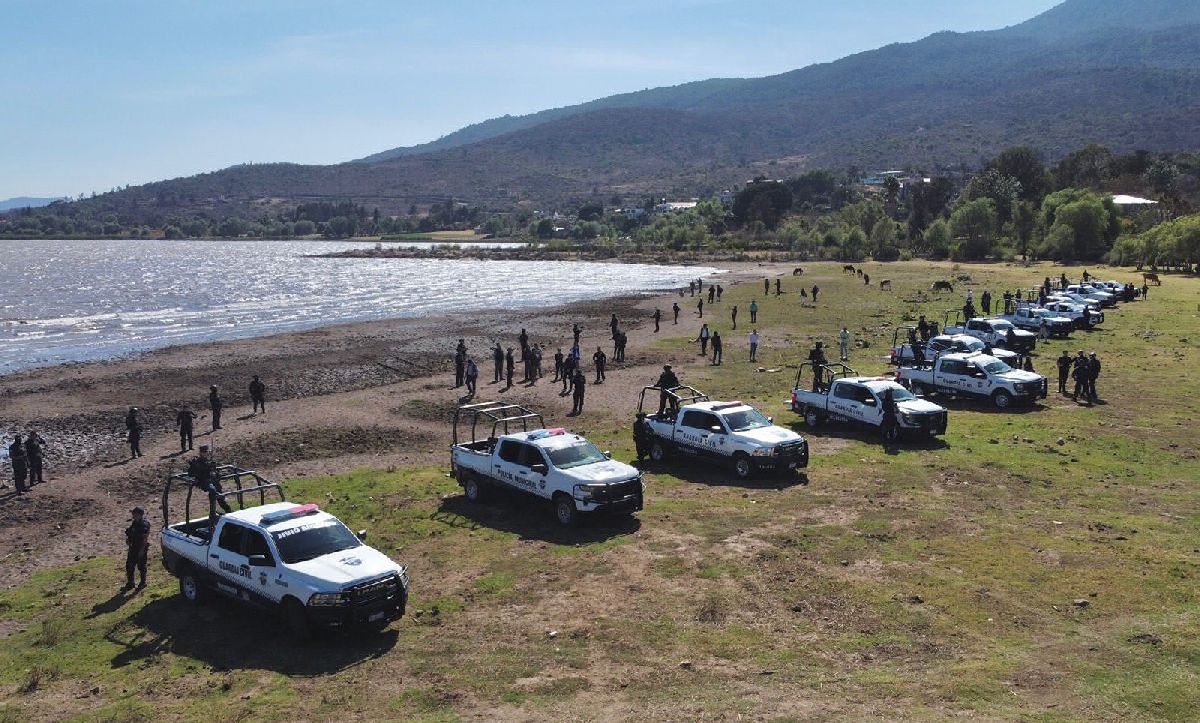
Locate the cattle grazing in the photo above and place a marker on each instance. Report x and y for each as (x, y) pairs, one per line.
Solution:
(885, 284)
(848, 269)
(942, 286)
(859, 272)
(797, 271)
(866, 279)
(1147, 277)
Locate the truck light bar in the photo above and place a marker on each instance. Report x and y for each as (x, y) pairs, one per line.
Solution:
(727, 405)
(288, 514)
(543, 433)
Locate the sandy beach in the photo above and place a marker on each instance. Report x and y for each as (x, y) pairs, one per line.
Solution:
(377, 394)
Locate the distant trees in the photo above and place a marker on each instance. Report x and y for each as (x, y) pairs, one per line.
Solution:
(762, 203)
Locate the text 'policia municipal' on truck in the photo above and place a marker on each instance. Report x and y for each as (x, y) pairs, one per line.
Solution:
(281, 556)
(732, 434)
(508, 446)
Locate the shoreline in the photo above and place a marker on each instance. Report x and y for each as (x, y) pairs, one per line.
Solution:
(375, 393)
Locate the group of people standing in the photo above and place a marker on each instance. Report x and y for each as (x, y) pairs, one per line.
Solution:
(1083, 370)
(185, 418)
(26, 457)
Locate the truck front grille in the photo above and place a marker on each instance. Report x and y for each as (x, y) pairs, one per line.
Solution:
(381, 589)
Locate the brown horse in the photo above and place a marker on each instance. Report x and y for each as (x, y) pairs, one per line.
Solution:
(1147, 277)
(942, 286)
(885, 284)
(848, 269)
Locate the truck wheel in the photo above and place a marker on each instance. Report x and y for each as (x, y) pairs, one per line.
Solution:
(472, 489)
(658, 452)
(564, 510)
(811, 418)
(189, 586)
(742, 466)
(1002, 399)
(918, 388)
(295, 617)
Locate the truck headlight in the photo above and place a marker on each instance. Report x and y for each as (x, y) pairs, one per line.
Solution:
(762, 451)
(588, 492)
(329, 599)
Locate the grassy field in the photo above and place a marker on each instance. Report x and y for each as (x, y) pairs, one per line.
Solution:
(1037, 564)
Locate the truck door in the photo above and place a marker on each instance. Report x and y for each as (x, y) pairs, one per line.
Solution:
(513, 464)
(533, 468)
(265, 579)
(229, 563)
(846, 401)
(952, 374)
(697, 435)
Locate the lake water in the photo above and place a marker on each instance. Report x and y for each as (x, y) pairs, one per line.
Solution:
(67, 301)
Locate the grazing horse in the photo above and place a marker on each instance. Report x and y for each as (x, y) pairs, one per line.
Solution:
(797, 271)
(866, 279)
(1148, 277)
(885, 284)
(942, 286)
(848, 269)
(859, 272)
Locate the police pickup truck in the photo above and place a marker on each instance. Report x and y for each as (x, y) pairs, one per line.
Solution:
(995, 332)
(843, 396)
(974, 375)
(520, 453)
(282, 556)
(690, 424)
(1030, 317)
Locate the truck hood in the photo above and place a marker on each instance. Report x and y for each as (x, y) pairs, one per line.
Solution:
(608, 471)
(1020, 333)
(1020, 376)
(340, 569)
(918, 406)
(769, 436)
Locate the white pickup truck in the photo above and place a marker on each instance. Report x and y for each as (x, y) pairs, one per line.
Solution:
(843, 396)
(996, 332)
(975, 375)
(729, 433)
(1029, 317)
(282, 556)
(509, 446)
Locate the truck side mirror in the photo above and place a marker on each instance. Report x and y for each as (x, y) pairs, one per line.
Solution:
(261, 561)
(870, 401)
(716, 429)
(540, 468)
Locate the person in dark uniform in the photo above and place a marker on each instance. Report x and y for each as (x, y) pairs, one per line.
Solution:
(558, 365)
(918, 350)
(716, 345)
(613, 324)
(33, 453)
(1080, 375)
(460, 362)
(133, 427)
(1064, 370)
(137, 547)
(183, 422)
(258, 395)
(657, 319)
(16, 455)
(568, 373)
(923, 328)
(766, 287)
(599, 359)
(816, 355)
(754, 311)
(675, 310)
(619, 345)
(580, 388)
(498, 362)
(666, 381)
(733, 315)
(216, 405)
(523, 339)
(576, 330)
(815, 290)
(203, 471)
(509, 363)
(1092, 375)
(778, 287)
(700, 307)
(888, 426)
(641, 436)
(471, 375)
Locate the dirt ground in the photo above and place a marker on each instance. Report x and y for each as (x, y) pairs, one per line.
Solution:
(376, 394)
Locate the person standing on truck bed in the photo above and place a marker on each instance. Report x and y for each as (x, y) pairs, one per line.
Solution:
(137, 547)
(216, 405)
(666, 381)
(203, 471)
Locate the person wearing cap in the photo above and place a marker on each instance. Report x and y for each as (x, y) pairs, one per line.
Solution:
(641, 436)
(33, 452)
(137, 543)
(216, 405)
(133, 425)
(1092, 375)
(183, 422)
(16, 455)
(203, 471)
(1064, 370)
(258, 395)
(1080, 375)
(666, 382)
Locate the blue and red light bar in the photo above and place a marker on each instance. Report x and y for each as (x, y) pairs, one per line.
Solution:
(289, 514)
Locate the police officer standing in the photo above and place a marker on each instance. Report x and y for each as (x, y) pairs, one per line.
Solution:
(216, 405)
(33, 452)
(641, 436)
(137, 544)
(16, 455)
(1080, 375)
(580, 387)
(460, 362)
(1064, 370)
(889, 426)
(599, 359)
(133, 426)
(183, 422)
(258, 395)
(1093, 374)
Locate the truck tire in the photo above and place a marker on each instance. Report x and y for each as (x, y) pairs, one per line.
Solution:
(564, 509)
(812, 418)
(472, 488)
(743, 466)
(918, 388)
(658, 452)
(189, 586)
(295, 617)
(1002, 399)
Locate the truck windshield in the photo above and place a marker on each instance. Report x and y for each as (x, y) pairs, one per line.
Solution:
(311, 541)
(576, 455)
(996, 367)
(900, 394)
(746, 420)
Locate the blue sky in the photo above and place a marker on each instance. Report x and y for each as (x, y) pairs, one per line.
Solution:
(102, 93)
